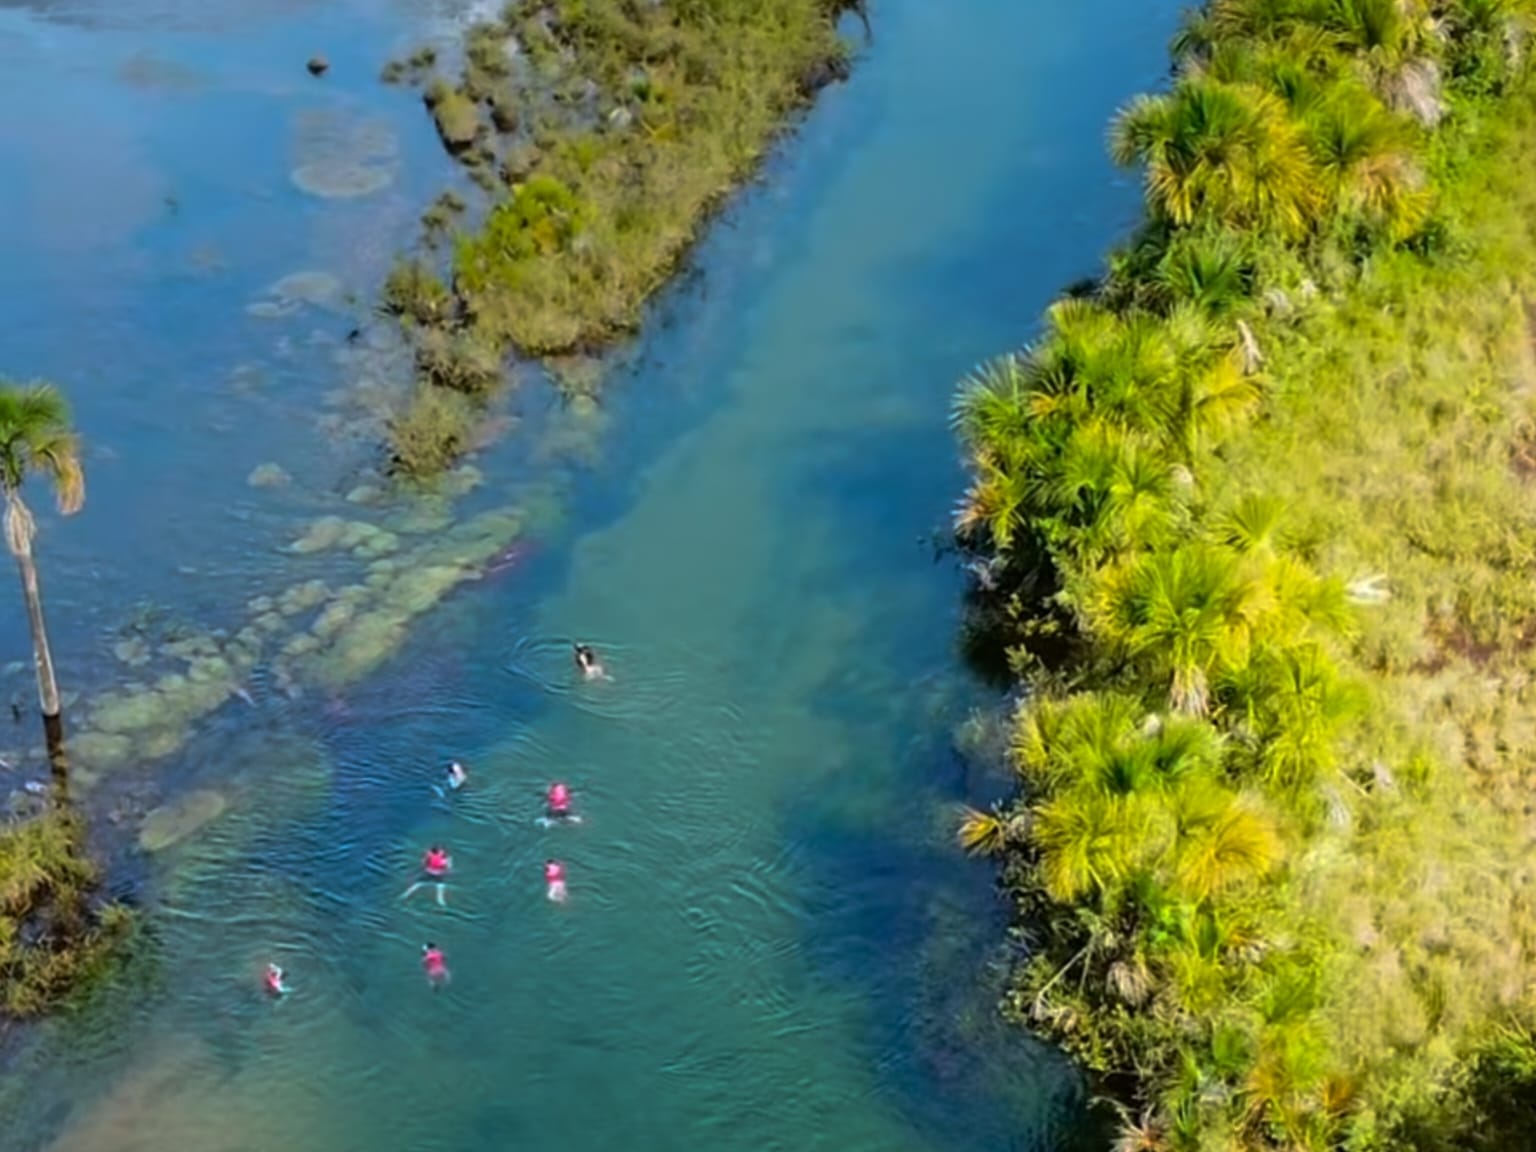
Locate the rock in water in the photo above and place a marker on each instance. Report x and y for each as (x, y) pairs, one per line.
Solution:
(318, 65)
(267, 476)
(177, 820)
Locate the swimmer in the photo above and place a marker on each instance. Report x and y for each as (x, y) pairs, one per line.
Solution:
(454, 778)
(434, 964)
(554, 879)
(557, 807)
(586, 659)
(435, 866)
(273, 981)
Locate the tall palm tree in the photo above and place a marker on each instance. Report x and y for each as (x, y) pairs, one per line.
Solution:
(36, 439)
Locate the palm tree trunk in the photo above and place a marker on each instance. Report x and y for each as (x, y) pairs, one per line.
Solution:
(47, 686)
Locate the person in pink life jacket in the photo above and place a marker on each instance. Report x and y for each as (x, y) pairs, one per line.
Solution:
(557, 807)
(273, 981)
(554, 880)
(435, 866)
(434, 964)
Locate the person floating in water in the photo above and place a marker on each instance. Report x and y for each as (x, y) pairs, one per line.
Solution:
(274, 981)
(554, 880)
(557, 807)
(454, 778)
(434, 964)
(586, 659)
(435, 866)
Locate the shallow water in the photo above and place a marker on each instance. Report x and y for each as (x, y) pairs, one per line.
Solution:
(769, 942)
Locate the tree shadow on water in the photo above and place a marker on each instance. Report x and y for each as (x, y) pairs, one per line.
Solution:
(914, 930)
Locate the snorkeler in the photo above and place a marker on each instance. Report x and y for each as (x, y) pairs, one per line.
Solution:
(273, 981)
(586, 659)
(434, 963)
(557, 807)
(435, 866)
(454, 778)
(554, 879)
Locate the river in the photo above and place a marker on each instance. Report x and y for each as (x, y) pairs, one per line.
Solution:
(769, 941)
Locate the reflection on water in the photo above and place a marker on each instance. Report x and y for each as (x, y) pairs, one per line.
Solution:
(769, 943)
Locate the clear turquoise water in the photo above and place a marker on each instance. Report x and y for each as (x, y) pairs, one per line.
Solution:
(769, 942)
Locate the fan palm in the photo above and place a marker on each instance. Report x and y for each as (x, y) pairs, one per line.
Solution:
(1365, 159)
(982, 833)
(1184, 611)
(1089, 842)
(36, 440)
(1223, 840)
(1213, 272)
(1229, 153)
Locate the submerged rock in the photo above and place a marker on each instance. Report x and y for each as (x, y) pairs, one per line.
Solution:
(369, 641)
(320, 289)
(174, 822)
(271, 309)
(340, 157)
(324, 533)
(426, 516)
(268, 476)
(133, 652)
(100, 750)
(116, 713)
(303, 597)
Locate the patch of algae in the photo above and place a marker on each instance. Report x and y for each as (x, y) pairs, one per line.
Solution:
(173, 822)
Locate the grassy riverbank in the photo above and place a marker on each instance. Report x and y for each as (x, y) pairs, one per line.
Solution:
(1256, 515)
(53, 942)
(605, 133)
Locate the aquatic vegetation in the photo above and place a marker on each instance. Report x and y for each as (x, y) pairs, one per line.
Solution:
(614, 130)
(441, 215)
(52, 941)
(435, 429)
(456, 115)
(338, 157)
(173, 822)
(1271, 844)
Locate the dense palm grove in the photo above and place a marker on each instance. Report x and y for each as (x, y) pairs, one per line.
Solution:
(1200, 725)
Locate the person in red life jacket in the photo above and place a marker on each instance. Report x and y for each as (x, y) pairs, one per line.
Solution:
(273, 981)
(557, 806)
(434, 964)
(554, 880)
(435, 866)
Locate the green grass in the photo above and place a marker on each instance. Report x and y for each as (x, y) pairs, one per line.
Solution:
(648, 114)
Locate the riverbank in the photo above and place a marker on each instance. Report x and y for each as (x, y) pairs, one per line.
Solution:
(1252, 524)
(605, 135)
